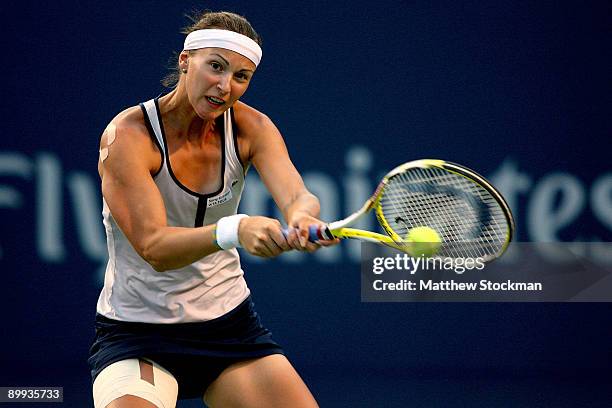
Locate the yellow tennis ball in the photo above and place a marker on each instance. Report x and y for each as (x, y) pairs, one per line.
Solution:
(424, 242)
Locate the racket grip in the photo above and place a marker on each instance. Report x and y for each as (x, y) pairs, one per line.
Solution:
(314, 233)
(317, 233)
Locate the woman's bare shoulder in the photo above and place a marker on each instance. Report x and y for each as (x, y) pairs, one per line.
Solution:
(248, 118)
(130, 120)
(127, 133)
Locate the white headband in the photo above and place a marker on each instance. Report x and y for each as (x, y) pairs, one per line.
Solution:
(229, 40)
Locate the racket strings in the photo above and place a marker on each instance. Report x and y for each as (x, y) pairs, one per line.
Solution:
(467, 217)
(443, 210)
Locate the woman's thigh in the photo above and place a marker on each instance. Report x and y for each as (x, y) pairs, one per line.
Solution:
(269, 381)
(134, 383)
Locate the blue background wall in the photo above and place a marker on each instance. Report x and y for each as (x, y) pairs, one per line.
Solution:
(518, 90)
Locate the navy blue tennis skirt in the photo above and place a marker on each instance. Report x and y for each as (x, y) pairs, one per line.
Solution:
(195, 353)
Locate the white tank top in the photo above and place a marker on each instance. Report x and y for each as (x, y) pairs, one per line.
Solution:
(204, 290)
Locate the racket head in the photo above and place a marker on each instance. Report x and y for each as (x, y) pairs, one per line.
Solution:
(470, 216)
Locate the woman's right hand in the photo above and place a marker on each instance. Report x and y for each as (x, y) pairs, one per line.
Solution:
(262, 236)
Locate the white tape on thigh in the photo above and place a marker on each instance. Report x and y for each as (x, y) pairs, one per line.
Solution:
(123, 378)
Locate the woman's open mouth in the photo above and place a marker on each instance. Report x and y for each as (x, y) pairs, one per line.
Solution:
(215, 102)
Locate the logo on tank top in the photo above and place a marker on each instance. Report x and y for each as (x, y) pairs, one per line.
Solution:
(223, 198)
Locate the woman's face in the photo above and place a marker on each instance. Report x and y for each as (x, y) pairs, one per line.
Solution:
(215, 79)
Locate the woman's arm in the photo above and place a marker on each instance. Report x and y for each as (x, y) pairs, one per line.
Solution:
(268, 153)
(137, 206)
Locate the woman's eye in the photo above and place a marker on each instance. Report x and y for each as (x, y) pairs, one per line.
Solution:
(216, 66)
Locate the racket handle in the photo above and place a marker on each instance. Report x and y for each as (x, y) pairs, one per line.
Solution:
(314, 233)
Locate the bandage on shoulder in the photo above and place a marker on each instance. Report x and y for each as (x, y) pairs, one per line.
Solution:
(111, 134)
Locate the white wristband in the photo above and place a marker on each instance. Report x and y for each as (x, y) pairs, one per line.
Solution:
(227, 231)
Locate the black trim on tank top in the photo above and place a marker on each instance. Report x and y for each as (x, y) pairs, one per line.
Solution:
(153, 136)
(201, 212)
(202, 198)
(235, 139)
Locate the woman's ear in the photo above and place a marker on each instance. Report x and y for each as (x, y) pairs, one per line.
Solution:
(183, 61)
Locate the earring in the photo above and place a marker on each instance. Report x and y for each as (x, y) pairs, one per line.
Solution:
(184, 70)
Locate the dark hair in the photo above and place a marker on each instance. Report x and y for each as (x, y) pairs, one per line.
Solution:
(223, 20)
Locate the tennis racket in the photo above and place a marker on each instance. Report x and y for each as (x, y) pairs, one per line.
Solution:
(469, 215)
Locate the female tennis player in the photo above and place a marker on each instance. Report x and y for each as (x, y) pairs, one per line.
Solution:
(175, 318)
